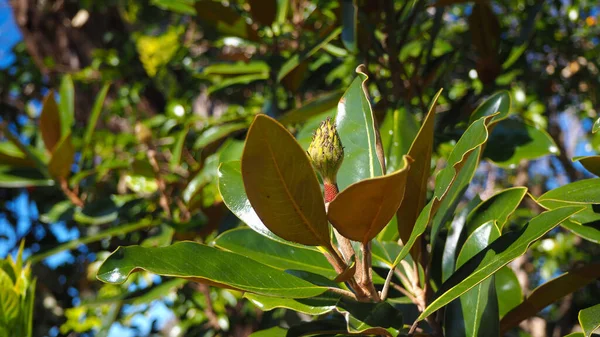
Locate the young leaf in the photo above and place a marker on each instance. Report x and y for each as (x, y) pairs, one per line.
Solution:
(282, 186)
(356, 127)
(62, 158)
(505, 249)
(241, 273)
(589, 319)
(418, 173)
(475, 313)
(248, 243)
(50, 123)
(550, 292)
(66, 104)
(377, 199)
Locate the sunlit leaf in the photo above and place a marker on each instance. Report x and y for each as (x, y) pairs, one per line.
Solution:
(62, 158)
(281, 184)
(241, 273)
(66, 104)
(589, 319)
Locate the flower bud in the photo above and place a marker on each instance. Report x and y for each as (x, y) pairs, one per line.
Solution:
(326, 151)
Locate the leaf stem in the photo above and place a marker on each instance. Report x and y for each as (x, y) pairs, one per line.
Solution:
(367, 274)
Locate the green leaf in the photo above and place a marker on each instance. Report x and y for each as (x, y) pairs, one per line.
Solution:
(377, 198)
(238, 68)
(470, 143)
(418, 174)
(596, 126)
(224, 19)
(475, 313)
(589, 319)
(237, 80)
(551, 292)
(84, 240)
(371, 318)
(330, 327)
(296, 59)
(508, 290)
(66, 104)
(217, 132)
(398, 131)
(11, 155)
(356, 127)
(498, 207)
(349, 21)
(589, 231)
(248, 243)
(513, 141)
(505, 249)
(50, 122)
(210, 265)
(98, 212)
(62, 158)
(579, 192)
(231, 187)
(22, 177)
(282, 186)
(318, 305)
(178, 148)
(94, 116)
(271, 332)
(591, 163)
(498, 102)
(178, 6)
(311, 108)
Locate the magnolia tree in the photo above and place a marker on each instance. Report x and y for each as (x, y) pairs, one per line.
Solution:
(368, 237)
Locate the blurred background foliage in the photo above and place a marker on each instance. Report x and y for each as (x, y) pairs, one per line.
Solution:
(155, 94)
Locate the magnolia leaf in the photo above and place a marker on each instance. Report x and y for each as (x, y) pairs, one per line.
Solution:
(282, 186)
(589, 319)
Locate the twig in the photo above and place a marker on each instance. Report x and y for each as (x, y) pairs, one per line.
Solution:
(404, 292)
(386, 284)
(367, 274)
(64, 186)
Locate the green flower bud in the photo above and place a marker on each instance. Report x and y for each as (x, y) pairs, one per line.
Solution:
(326, 151)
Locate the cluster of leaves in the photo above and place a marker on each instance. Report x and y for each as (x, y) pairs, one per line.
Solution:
(118, 178)
(276, 192)
(17, 291)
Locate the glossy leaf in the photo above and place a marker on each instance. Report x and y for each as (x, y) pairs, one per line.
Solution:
(311, 108)
(398, 131)
(217, 132)
(22, 177)
(246, 242)
(50, 122)
(550, 292)
(62, 158)
(472, 140)
(371, 318)
(66, 104)
(475, 313)
(498, 102)
(356, 127)
(588, 231)
(508, 290)
(513, 141)
(241, 273)
(589, 319)
(377, 199)
(418, 174)
(503, 250)
(591, 163)
(578, 192)
(231, 187)
(282, 186)
(453, 242)
(498, 207)
(318, 305)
